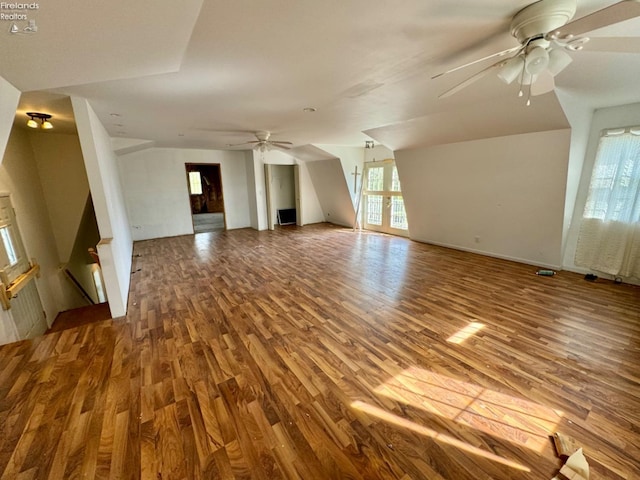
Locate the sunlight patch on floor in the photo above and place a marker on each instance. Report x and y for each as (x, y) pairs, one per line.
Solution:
(519, 421)
(466, 332)
(427, 432)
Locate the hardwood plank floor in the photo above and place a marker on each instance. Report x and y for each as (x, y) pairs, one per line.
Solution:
(319, 353)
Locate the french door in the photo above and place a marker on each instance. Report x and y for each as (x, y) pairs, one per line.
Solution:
(383, 203)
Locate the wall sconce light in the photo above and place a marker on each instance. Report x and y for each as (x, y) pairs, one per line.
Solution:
(34, 117)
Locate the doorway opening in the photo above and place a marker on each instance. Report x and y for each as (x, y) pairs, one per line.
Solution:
(205, 196)
(283, 195)
(383, 203)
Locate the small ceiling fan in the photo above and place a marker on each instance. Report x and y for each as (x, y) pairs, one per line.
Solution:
(263, 143)
(545, 36)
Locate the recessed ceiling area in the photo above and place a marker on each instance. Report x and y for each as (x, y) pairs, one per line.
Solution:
(199, 74)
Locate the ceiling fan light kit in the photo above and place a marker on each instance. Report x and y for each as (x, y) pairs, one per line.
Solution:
(545, 32)
(511, 69)
(536, 60)
(558, 61)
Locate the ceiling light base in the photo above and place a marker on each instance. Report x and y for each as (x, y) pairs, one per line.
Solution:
(541, 17)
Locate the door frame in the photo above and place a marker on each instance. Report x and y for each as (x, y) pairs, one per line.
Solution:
(224, 205)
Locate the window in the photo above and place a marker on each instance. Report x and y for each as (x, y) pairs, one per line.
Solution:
(12, 256)
(615, 181)
(195, 183)
(609, 238)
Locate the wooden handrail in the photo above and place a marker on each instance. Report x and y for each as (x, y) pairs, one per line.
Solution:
(10, 291)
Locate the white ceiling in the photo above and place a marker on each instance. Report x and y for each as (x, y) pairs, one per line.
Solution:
(206, 74)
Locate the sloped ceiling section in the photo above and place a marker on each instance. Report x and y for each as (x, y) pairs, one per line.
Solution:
(194, 74)
(508, 116)
(94, 40)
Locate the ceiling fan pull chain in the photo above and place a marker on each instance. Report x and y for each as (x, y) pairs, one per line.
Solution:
(529, 93)
(521, 93)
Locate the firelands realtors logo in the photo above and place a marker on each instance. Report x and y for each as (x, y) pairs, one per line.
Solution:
(20, 16)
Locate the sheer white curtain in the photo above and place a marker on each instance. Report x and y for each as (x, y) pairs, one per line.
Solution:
(609, 239)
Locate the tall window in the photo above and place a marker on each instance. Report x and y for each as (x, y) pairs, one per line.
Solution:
(609, 239)
(195, 183)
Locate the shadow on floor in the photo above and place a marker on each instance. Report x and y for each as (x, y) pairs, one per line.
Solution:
(80, 316)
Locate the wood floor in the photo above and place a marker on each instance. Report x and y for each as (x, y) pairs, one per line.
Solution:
(80, 316)
(319, 353)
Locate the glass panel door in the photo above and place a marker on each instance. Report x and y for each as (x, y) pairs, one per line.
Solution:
(383, 203)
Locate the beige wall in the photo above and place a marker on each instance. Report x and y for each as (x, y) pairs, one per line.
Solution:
(65, 185)
(502, 196)
(19, 177)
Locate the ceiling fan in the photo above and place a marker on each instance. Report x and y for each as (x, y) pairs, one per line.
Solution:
(545, 36)
(263, 143)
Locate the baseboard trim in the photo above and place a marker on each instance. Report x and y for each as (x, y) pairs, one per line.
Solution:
(493, 255)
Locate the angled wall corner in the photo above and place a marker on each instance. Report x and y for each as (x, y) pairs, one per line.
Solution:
(10, 96)
(64, 184)
(331, 189)
(116, 244)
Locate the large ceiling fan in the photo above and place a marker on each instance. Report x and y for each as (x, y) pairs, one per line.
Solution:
(545, 36)
(263, 142)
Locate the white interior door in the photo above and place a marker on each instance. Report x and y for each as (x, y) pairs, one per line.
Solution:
(26, 309)
(383, 203)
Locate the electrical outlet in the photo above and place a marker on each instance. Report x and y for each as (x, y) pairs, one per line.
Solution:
(477, 239)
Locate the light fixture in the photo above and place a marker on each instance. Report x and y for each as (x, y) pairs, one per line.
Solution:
(34, 117)
(262, 147)
(511, 69)
(368, 144)
(558, 61)
(536, 60)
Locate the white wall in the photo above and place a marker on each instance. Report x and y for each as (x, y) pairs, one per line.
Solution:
(116, 245)
(331, 189)
(509, 192)
(19, 177)
(350, 158)
(9, 99)
(65, 185)
(613, 117)
(309, 203)
(250, 167)
(157, 195)
(283, 187)
(579, 115)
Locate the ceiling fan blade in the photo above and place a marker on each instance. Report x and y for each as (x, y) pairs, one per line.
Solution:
(283, 147)
(544, 83)
(243, 143)
(472, 79)
(618, 12)
(278, 142)
(518, 49)
(613, 44)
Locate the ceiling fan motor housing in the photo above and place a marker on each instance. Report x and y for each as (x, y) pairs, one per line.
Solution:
(542, 17)
(263, 136)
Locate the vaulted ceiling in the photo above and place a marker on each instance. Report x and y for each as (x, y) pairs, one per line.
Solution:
(205, 74)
